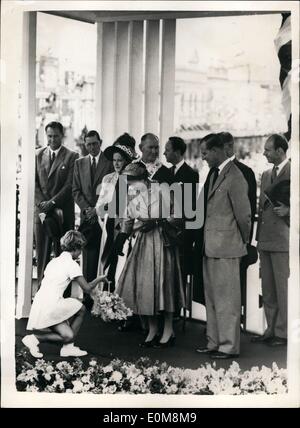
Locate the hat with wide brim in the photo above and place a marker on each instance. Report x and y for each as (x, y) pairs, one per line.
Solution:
(126, 151)
(135, 171)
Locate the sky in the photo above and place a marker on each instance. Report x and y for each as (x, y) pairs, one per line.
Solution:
(231, 40)
(214, 41)
(72, 42)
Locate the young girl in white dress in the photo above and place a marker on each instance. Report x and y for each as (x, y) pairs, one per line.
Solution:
(50, 309)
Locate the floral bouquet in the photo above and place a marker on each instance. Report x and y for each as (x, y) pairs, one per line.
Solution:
(109, 306)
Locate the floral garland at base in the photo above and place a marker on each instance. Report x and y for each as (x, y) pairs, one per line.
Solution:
(146, 377)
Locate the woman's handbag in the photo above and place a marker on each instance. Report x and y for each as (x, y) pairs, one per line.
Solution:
(252, 255)
(172, 232)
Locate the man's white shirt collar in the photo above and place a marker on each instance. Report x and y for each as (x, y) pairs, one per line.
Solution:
(281, 165)
(151, 167)
(54, 151)
(232, 158)
(96, 157)
(178, 165)
(223, 164)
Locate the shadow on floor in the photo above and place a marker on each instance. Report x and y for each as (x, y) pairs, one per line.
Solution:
(104, 341)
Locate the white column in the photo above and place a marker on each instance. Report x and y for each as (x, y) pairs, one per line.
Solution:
(122, 79)
(167, 97)
(98, 87)
(10, 75)
(152, 77)
(293, 351)
(136, 83)
(28, 165)
(108, 83)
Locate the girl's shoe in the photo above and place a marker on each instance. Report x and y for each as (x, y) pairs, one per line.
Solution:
(70, 350)
(32, 343)
(150, 343)
(169, 343)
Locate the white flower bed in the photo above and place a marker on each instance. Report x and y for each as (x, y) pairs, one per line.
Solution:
(143, 377)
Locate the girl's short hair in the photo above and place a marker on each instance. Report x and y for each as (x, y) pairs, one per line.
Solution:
(72, 240)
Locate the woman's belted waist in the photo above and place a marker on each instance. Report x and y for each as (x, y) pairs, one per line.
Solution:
(171, 234)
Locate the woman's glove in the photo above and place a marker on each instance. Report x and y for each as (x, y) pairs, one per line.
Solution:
(148, 225)
(119, 244)
(116, 249)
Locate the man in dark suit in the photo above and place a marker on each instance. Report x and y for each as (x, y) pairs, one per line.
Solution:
(273, 242)
(149, 147)
(198, 288)
(249, 176)
(175, 149)
(88, 174)
(53, 195)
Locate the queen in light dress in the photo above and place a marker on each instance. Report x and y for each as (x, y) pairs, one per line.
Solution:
(50, 310)
(151, 281)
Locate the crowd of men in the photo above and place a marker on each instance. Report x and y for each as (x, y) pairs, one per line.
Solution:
(221, 247)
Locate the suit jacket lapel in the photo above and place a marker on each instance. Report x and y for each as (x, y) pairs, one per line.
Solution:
(87, 171)
(180, 173)
(101, 161)
(282, 173)
(58, 159)
(268, 185)
(220, 179)
(45, 162)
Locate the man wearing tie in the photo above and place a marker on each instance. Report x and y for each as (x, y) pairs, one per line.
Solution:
(53, 194)
(182, 173)
(226, 234)
(88, 174)
(251, 181)
(199, 295)
(273, 241)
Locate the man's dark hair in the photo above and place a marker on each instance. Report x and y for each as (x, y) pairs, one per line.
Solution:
(178, 144)
(55, 125)
(227, 138)
(213, 140)
(92, 133)
(279, 141)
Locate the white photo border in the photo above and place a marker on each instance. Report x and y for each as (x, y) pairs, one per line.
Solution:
(11, 28)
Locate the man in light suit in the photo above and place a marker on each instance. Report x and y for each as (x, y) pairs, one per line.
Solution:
(252, 188)
(198, 283)
(226, 234)
(273, 242)
(53, 194)
(88, 174)
(247, 173)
